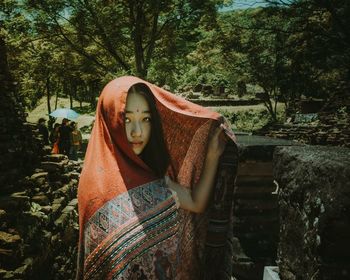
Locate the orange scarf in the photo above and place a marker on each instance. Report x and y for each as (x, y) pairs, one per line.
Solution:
(112, 168)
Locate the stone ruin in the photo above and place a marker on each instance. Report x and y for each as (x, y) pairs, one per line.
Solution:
(38, 206)
(39, 230)
(332, 126)
(314, 205)
(291, 210)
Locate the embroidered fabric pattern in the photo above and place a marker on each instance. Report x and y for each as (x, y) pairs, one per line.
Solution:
(134, 234)
(192, 227)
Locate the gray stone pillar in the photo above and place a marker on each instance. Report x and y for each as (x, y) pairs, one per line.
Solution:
(314, 202)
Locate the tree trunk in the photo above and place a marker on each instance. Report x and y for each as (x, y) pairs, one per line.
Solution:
(48, 94)
(136, 15)
(56, 101)
(71, 89)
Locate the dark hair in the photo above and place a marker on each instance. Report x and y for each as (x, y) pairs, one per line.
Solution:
(155, 154)
(41, 120)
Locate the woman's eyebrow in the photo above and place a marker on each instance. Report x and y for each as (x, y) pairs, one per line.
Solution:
(130, 112)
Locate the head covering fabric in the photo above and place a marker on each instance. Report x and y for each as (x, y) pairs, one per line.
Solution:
(112, 168)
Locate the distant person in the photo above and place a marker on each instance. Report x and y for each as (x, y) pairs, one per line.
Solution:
(75, 141)
(64, 132)
(50, 123)
(43, 130)
(55, 138)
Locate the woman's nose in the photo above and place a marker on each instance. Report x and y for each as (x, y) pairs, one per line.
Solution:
(136, 130)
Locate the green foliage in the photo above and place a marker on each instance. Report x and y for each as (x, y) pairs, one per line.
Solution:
(73, 48)
(249, 120)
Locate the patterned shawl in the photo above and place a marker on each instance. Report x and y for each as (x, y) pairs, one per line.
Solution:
(111, 168)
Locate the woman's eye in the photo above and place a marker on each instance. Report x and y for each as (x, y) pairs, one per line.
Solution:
(127, 120)
(147, 119)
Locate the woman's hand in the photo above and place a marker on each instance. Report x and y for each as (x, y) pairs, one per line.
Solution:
(197, 200)
(216, 144)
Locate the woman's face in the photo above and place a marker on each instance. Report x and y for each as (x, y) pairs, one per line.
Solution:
(137, 122)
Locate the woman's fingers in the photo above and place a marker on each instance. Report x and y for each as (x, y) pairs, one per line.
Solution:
(217, 142)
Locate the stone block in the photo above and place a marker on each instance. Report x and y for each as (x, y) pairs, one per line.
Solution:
(68, 209)
(75, 175)
(62, 192)
(25, 269)
(314, 205)
(47, 209)
(18, 201)
(74, 203)
(271, 273)
(52, 166)
(39, 175)
(8, 240)
(238, 252)
(55, 157)
(57, 205)
(56, 185)
(62, 221)
(3, 215)
(41, 199)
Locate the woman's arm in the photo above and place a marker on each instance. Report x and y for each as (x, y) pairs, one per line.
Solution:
(198, 199)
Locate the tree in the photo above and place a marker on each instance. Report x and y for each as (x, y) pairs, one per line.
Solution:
(319, 44)
(117, 36)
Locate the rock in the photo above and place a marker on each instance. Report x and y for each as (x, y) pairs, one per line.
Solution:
(3, 215)
(9, 241)
(68, 209)
(314, 185)
(52, 166)
(55, 157)
(26, 268)
(57, 206)
(39, 175)
(41, 199)
(75, 175)
(62, 192)
(56, 185)
(74, 203)
(62, 221)
(46, 209)
(9, 275)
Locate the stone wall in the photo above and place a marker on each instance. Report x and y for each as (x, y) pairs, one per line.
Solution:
(38, 206)
(39, 223)
(314, 201)
(331, 128)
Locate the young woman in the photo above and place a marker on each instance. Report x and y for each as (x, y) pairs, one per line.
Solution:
(150, 162)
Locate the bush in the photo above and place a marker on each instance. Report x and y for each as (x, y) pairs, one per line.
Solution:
(247, 120)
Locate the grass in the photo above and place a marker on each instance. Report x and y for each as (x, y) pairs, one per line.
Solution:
(248, 118)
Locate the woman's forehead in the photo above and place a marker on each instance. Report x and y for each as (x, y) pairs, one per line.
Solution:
(136, 102)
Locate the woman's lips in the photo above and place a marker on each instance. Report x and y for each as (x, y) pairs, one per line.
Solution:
(136, 144)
